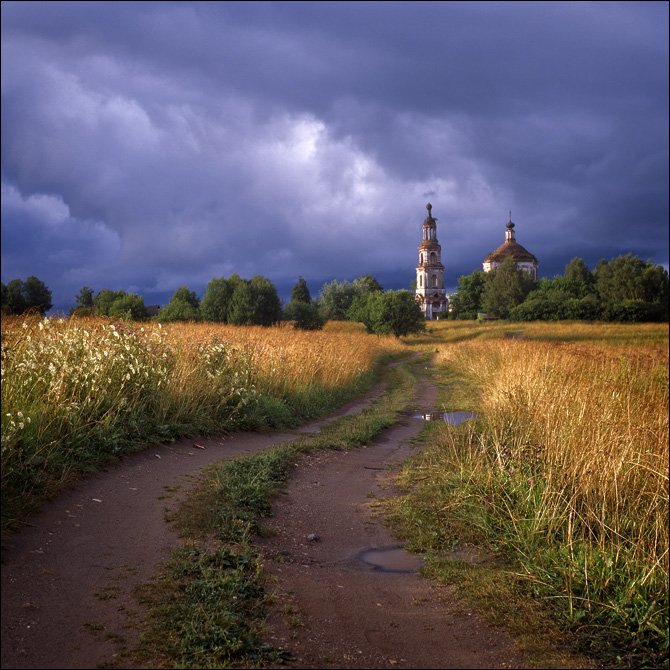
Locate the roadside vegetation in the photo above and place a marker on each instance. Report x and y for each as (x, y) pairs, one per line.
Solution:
(561, 483)
(208, 607)
(79, 393)
(563, 477)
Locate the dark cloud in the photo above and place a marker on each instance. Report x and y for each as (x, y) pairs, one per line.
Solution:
(150, 145)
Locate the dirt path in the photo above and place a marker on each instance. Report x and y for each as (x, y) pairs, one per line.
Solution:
(336, 610)
(68, 577)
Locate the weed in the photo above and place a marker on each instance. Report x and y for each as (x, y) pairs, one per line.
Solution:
(108, 592)
(93, 627)
(563, 476)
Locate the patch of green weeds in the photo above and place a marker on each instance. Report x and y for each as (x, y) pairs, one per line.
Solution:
(93, 627)
(108, 592)
(208, 607)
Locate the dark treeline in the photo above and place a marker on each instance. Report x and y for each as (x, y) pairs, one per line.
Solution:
(20, 296)
(255, 302)
(625, 289)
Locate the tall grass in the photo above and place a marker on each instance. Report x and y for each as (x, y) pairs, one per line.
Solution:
(207, 608)
(77, 393)
(566, 472)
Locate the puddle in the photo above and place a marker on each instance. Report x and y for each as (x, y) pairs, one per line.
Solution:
(452, 418)
(391, 560)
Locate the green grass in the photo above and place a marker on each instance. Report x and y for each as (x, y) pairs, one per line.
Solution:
(208, 607)
(77, 396)
(563, 480)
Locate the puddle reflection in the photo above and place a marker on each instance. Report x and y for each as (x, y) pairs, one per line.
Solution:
(391, 560)
(452, 418)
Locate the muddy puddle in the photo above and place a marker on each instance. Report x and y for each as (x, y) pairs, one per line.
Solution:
(452, 418)
(391, 560)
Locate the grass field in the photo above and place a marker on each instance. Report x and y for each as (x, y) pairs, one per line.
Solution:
(565, 472)
(563, 477)
(77, 394)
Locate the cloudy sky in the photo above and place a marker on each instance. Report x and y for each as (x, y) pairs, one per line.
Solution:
(150, 145)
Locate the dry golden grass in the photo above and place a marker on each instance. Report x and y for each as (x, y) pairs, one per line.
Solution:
(79, 392)
(569, 463)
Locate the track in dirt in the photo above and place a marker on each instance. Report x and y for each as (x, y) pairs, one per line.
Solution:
(68, 577)
(344, 612)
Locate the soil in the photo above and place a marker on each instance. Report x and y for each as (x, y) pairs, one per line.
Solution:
(68, 577)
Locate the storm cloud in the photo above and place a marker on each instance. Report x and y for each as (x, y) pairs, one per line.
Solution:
(150, 145)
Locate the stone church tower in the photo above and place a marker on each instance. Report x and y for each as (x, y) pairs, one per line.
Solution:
(522, 257)
(430, 292)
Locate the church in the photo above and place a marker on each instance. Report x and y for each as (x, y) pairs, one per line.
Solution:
(430, 292)
(510, 247)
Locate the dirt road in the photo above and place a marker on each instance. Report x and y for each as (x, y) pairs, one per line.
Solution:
(337, 610)
(68, 576)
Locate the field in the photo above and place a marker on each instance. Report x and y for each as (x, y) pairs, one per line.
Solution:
(562, 478)
(76, 394)
(565, 473)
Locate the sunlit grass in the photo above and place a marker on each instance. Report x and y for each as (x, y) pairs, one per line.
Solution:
(565, 472)
(77, 393)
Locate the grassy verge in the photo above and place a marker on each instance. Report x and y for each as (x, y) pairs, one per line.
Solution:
(562, 482)
(207, 609)
(76, 395)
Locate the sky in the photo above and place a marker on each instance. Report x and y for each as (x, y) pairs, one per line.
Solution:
(148, 146)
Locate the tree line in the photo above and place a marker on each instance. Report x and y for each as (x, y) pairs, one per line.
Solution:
(625, 289)
(31, 295)
(255, 302)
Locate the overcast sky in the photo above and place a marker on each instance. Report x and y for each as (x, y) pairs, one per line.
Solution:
(150, 145)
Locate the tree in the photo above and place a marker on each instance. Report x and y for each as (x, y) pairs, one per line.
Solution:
(3, 298)
(219, 291)
(367, 284)
(305, 315)
(393, 313)
(129, 306)
(19, 296)
(300, 292)
(467, 301)
(625, 282)
(335, 299)
(241, 306)
(119, 304)
(183, 306)
(254, 303)
(302, 310)
(267, 305)
(359, 308)
(37, 295)
(16, 301)
(577, 271)
(629, 278)
(507, 288)
(552, 304)
(84, 302)
(103, 301)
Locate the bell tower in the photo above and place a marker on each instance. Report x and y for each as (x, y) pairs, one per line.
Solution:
(430, 292)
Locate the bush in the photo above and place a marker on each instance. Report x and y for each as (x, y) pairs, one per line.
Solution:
(305, 316)
(393, 313)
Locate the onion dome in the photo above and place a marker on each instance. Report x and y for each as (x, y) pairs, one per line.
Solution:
(510, 248)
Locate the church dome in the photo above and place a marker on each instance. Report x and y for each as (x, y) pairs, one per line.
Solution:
(513, 249)
(510, 247)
